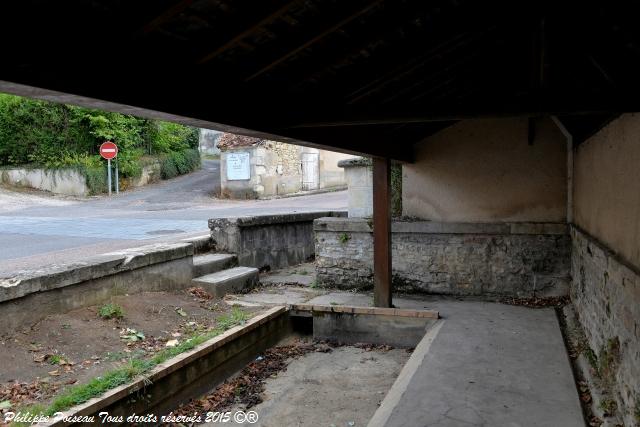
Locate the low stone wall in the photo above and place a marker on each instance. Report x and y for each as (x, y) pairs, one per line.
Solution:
(71, 182)
(150, 174)
(58, 181)
(606, 296)
(518, 259)
(268, 241)
(29, 296)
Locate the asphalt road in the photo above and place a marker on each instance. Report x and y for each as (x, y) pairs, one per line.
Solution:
(37, 229)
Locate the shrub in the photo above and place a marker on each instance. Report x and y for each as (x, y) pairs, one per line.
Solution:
(111, 311)
(168, 168)
(96, 179)
(179, 163)
(193, 159)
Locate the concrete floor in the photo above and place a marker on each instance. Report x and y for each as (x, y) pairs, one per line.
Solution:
(317, 388)
(489, 365)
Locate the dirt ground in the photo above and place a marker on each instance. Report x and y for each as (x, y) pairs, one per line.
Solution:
(341, 387)
(74, 347)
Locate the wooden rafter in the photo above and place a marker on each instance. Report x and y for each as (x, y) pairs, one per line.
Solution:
(247, 31)
(165, 16)
(315, 39)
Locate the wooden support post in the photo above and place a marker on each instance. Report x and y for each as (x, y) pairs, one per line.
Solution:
(382, 232)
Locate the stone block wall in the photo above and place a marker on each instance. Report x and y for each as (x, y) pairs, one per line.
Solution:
(519, 259)
(606, 295)
(267, 241)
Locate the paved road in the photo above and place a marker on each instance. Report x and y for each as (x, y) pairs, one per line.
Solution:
(37, 229)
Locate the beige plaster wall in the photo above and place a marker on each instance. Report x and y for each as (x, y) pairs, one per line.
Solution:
(484, 170)
(330, 174)
(607, 186)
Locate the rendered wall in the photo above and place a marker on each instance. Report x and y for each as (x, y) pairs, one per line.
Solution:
(607, 186)
(485, 171)
(331, 175)
(606, 256)
(64, 181)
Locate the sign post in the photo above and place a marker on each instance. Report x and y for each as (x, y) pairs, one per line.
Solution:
(117, 180)
(109, 150)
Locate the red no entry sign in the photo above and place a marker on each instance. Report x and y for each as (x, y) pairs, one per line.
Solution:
(108, 150)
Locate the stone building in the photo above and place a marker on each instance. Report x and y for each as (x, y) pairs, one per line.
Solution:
(255, 168)
(208, 141)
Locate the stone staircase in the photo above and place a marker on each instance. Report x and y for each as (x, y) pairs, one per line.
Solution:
(219, 274)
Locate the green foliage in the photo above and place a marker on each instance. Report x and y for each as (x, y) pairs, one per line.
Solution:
(96, 179)
(396, 190)
(55, 359)
(344, 238)
(179, 162)
(56, 136)
(168, 137)
(111, 311)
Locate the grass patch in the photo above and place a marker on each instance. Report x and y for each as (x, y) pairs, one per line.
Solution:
(81, 393)
(55, 359)
(111, 311)
(608, 406)
(591, 357)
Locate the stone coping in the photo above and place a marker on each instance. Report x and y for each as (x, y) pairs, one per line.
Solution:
(355, 162)
(255, 220)
(61, 275)
(365, 225)
(376, 311)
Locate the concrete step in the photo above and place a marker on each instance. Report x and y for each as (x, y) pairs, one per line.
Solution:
(232, 280)
(212, 263)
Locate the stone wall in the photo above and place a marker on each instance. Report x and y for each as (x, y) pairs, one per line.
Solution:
(606, 296)
(29, 296)
(69, 182)
(274, 170)
(267, 241)
(517, 259)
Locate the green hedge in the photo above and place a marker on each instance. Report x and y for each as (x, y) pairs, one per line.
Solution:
(179, 163)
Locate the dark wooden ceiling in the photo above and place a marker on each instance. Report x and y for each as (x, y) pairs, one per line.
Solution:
(369, 76)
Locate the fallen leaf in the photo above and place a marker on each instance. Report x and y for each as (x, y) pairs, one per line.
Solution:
(40, 357)
(54, 373)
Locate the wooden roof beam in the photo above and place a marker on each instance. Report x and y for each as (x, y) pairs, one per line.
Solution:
(247, 31)
(315, 39)
(166, 15)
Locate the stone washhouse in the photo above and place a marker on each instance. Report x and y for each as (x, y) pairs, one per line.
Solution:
(516, 124)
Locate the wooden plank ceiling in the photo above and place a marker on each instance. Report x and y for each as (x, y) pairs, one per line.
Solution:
(367, 76)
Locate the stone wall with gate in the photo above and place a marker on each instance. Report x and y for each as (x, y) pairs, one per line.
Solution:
(276, 169)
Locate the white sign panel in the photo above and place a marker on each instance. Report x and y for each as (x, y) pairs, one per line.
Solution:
(238, 166)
